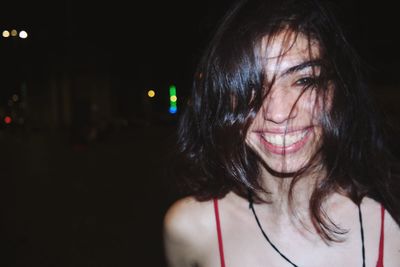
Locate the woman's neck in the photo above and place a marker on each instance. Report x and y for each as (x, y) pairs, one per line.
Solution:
(284, 201)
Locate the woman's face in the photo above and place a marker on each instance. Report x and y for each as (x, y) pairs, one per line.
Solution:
(286, 131)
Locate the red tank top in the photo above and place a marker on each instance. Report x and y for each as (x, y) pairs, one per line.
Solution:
(221, 247)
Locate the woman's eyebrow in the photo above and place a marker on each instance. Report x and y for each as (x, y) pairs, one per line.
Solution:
(301, 66)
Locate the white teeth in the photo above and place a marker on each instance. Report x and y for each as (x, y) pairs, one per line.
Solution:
(283, 140)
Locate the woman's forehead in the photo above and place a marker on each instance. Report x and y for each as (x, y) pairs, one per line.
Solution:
(287, 49)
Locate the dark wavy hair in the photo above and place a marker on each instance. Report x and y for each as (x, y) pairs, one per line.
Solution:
(229, 89)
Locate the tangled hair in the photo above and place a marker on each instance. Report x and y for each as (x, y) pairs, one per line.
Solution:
(229, 89)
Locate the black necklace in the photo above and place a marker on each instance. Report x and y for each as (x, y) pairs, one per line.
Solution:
(251, 206)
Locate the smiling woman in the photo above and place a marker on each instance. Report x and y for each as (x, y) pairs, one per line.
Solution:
(283, 151)
(286, 132)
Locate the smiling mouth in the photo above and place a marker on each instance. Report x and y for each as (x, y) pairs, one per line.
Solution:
(284, 140)
(285, 143)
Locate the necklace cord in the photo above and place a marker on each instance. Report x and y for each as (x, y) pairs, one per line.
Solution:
(362, 233)
(251, 206)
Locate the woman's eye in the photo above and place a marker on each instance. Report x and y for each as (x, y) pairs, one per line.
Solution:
(306, 81)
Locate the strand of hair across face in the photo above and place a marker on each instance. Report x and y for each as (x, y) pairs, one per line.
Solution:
(251, 206)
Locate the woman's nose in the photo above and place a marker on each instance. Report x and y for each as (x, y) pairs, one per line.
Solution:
(280, 106)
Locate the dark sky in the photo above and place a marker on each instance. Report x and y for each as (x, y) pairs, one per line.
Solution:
(148, 39)
(162, 40)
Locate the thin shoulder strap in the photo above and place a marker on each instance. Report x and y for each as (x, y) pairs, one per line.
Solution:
(381, 239)
(220, 244)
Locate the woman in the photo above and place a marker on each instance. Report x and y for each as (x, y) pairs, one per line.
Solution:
(285, 154)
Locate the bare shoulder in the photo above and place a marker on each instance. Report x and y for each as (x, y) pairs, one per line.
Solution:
(392, 229)
(187, 227)
(391, 232)
(392, 241)
(186, 215)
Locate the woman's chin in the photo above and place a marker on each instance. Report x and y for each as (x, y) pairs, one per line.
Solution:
(283, 167)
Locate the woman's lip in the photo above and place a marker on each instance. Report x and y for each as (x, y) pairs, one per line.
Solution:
(284, 150)
(283, 130)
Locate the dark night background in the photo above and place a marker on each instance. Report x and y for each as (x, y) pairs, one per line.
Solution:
(84, 162)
